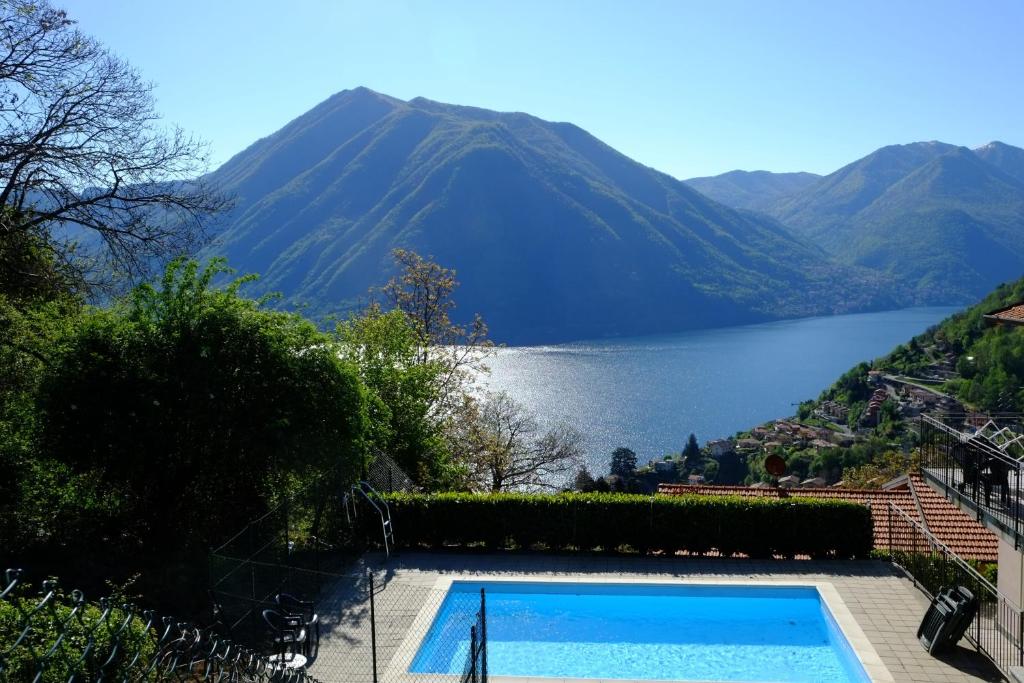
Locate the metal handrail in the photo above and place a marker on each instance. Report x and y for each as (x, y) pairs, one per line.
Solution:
(370, 493)
(965, 438)
(997, 631)
(935, 543)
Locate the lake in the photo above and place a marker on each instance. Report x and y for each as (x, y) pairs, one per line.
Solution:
(649, 393)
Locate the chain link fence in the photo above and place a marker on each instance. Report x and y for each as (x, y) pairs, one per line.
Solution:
(48, 635)
(373, 626)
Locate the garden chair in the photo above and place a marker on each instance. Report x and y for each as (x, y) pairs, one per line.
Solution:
(287, 636)
(305, 612)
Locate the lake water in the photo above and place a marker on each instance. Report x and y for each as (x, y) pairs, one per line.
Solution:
(649, 393)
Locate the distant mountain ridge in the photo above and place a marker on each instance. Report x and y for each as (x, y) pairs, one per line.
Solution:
(553, 234)
(754, 190)
(945, 222)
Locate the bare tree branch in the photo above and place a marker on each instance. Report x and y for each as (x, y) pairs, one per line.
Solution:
(82, 151)
(507, 450)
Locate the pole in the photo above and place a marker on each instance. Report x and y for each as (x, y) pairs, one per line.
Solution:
(483, 636)
(472, 653)
(892, 551)
(373, 626)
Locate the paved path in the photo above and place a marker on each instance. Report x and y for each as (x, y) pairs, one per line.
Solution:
(886, 606)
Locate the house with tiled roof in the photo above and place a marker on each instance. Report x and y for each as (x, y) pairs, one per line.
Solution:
(1010, 315)
(909, 494)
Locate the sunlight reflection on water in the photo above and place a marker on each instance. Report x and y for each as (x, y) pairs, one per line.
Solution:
(649, 393)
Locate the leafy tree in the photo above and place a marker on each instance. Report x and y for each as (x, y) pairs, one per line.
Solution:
(584, 481)
(691, 453)
(623, 462)
(711, 469)
(423, 292)
(191, 409)
(385, 348)
(507, 450)
(85, 164)
(886, 467)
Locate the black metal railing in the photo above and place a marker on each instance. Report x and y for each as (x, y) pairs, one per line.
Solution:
(47, 634)
(998, 627)
(973, 472)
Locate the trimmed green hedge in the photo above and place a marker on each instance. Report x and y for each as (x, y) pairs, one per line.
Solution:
(757, 527)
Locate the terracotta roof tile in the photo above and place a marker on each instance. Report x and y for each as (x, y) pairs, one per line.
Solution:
(965, 536)
(962, 534)
(1013, 313)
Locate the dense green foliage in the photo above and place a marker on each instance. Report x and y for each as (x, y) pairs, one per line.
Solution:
(385, 349)
(85, 643)
(989, 358)
(554, 234)
(143, 433)
(623, 462)
(758, 527)
(942, 220)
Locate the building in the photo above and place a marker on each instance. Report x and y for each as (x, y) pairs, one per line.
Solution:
(909, 494)
(1010, 315)
(720, 447)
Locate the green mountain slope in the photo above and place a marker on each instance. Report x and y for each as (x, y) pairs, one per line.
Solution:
(754, 190)
(983, 363)
(554, 235)
(946, 221)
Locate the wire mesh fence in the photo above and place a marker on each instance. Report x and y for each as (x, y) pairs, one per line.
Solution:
(48, 634)
(998, 628)
(374, 626)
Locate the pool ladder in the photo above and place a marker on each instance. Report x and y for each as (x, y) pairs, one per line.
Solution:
(379, 505)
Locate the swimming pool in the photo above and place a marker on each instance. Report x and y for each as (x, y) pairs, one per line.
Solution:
(637, 631)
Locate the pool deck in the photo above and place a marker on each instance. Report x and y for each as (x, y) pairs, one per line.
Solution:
(885, 605)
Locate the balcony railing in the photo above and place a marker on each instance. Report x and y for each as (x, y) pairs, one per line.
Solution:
(974, 473)
(998, 626)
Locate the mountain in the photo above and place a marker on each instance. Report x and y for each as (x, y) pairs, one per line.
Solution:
(945, 221)
(981, 364)
(553, 234)
(1007, 158)
(754, 190)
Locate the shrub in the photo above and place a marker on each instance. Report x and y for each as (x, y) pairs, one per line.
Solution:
(758, 527)
(76, 641)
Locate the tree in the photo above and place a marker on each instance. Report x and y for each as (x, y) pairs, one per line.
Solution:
(84, 164)
(623, 463)
(506, 449)
(691, 453)
(385, 349)
(189, 410)
(584, 481)
(711, 471)
(423, 292)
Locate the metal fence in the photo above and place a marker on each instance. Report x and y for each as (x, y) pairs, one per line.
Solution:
(374, 625)
(475, 670)
(973, 472)
(998, 627)
(49, 635)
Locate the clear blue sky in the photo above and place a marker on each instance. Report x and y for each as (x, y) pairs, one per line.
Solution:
(690, 88)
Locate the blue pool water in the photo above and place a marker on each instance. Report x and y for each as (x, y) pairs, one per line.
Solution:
(643, 632)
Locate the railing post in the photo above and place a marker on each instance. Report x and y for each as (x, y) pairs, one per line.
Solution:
(483, 636)
(472, 653)
(1015, 503)
(373, 625)
(892, 552)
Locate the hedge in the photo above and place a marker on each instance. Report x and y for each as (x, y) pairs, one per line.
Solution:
(756, 527)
